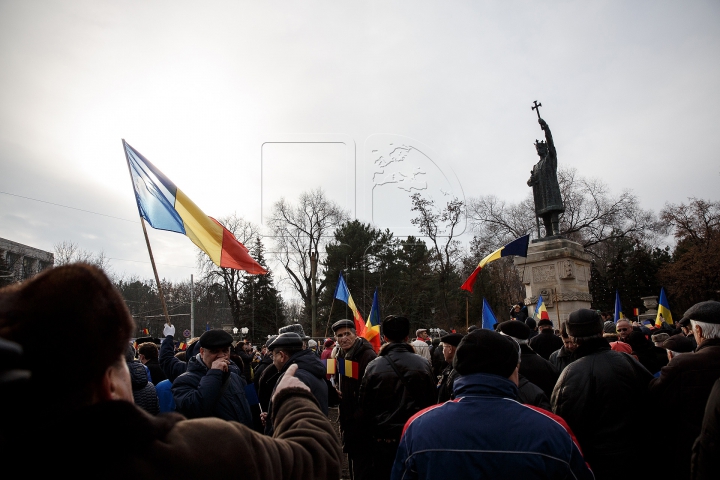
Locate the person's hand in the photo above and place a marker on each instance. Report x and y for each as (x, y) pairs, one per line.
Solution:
(263, 417)
(220, 364)
(289, 381)
(339, 393)
(169, 330)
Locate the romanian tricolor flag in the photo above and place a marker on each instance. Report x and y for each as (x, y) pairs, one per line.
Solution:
(372, 327)
(330, 366)
(182, 346)
(663, 310)
(618, 308)
(342, 293)
(146, 331)
(518, 246)
(541, 312)
(348, 368)
(166, 207)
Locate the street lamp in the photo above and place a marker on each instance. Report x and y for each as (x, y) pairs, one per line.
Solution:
(244, 331)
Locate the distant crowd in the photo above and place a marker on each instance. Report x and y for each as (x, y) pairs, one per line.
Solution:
(589, 398)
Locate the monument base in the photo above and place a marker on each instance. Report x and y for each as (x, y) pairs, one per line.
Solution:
(559, 270)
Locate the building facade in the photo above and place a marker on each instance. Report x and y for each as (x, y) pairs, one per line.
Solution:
(18, 261)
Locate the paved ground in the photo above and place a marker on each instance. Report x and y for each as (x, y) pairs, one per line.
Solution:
(333, 415)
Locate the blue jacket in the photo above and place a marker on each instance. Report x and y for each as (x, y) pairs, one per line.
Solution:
(199, 393)
(486, 433)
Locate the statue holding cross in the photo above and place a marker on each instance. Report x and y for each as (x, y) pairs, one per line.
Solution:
(543, 180)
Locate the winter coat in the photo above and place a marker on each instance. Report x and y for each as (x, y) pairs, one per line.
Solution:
(165, 396)
(354, 433)
(311, 372)
(143, 391)
(170, 364)
(438, 360)
(485, 433)
(156, 372)
(204, 392)
(421, 348)
(387, 402)
(561, 358)
(266, 385)
(130, 444)
(538, 370)
(445, 386)
(545, 343)
(595, 395)
(531, 394)
(684, 387)
(265, 361)
(705, 463)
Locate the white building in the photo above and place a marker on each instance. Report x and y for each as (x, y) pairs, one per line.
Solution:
(18, 261)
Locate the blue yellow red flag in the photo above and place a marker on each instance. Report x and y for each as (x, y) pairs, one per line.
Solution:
(342, 293)
(618, 308)
(663, 310)
(372, 326)
(518, 247)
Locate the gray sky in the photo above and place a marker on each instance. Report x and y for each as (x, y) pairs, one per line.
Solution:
(241, 102)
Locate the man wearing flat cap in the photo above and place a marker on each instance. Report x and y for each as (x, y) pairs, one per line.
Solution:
(546, 342)
(593, 395)
(355, 436)
(685, 383)
(396, 385)
(213, 385)
(485, 432)
(287, 349)
(449, 344)
(420, 344)
(92, 401)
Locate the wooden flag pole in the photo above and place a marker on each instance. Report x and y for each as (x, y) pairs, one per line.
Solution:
(147, 242)
(327, 324)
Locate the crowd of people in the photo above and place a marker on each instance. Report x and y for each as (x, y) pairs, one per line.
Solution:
(594, 399)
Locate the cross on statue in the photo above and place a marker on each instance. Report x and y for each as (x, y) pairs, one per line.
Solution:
(536, 108)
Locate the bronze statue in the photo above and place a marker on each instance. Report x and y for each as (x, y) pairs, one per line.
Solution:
(543, 180)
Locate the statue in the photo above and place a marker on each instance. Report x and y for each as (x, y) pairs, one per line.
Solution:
(543, 180)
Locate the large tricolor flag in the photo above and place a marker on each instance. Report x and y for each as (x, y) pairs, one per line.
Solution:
(663, 310)
(541, 312)
(342, 293)
(166, 207)
(372, 327)
(618, 308)
(488, 316)
(518, 246)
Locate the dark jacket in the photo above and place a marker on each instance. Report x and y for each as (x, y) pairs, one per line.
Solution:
(266, 385)
(445, 386)
(173, 367)
(538, 370)
(531, 394)
(487, 434)
(437, 360)
(545, 343)
(143, 391)
(311, 372)
(265, 362)
(204, 392)
(354, 433)
(705, 463)
(170, 447)
(156, 372)
(684, 386)
(595, 395)
(389, 398)
(561, 358)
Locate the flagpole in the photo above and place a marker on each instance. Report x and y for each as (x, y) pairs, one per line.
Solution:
(467, 316)
(557, 308)
(329, 316)
(147, 242)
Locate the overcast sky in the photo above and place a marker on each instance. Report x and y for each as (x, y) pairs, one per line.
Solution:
(242, 102)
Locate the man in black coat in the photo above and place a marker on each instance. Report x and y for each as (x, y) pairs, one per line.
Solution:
(546, 342)
(532, 366)
(396, 385)
(685, 383)
(594, 395)
(450, 343)
(563, 357)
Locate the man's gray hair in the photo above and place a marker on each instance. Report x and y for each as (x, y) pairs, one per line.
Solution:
(709, 330)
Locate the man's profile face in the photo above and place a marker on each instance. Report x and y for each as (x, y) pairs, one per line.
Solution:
(448, 352)
(345, 338)
(209, 355)
(624, 328)
(423, 335)
(280, 358)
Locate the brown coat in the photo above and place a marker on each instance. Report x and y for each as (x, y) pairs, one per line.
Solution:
(118, 440)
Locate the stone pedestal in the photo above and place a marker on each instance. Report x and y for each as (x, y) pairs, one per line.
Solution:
(559, 270)
(651, 304)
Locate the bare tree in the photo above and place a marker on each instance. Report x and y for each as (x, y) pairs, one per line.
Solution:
(230, 279)
(440, 226)
(300, 231)
(69, 252)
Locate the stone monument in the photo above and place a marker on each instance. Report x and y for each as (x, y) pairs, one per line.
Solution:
(555, 267)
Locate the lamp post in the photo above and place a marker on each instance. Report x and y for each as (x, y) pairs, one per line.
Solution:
(243, 330)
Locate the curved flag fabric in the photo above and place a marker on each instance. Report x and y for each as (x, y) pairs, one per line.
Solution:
(618, 308)
(541, 312)
(166, 207)
(342, 293)
(518, 246)
(372, 327)
(663, 310)
(488, 316)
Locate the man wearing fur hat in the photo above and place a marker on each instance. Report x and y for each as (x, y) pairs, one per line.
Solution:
(594, 394)
(91, 404)
(685, 383)
(485, 432)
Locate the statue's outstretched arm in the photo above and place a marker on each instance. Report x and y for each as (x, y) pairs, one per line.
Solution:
(548, 138)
